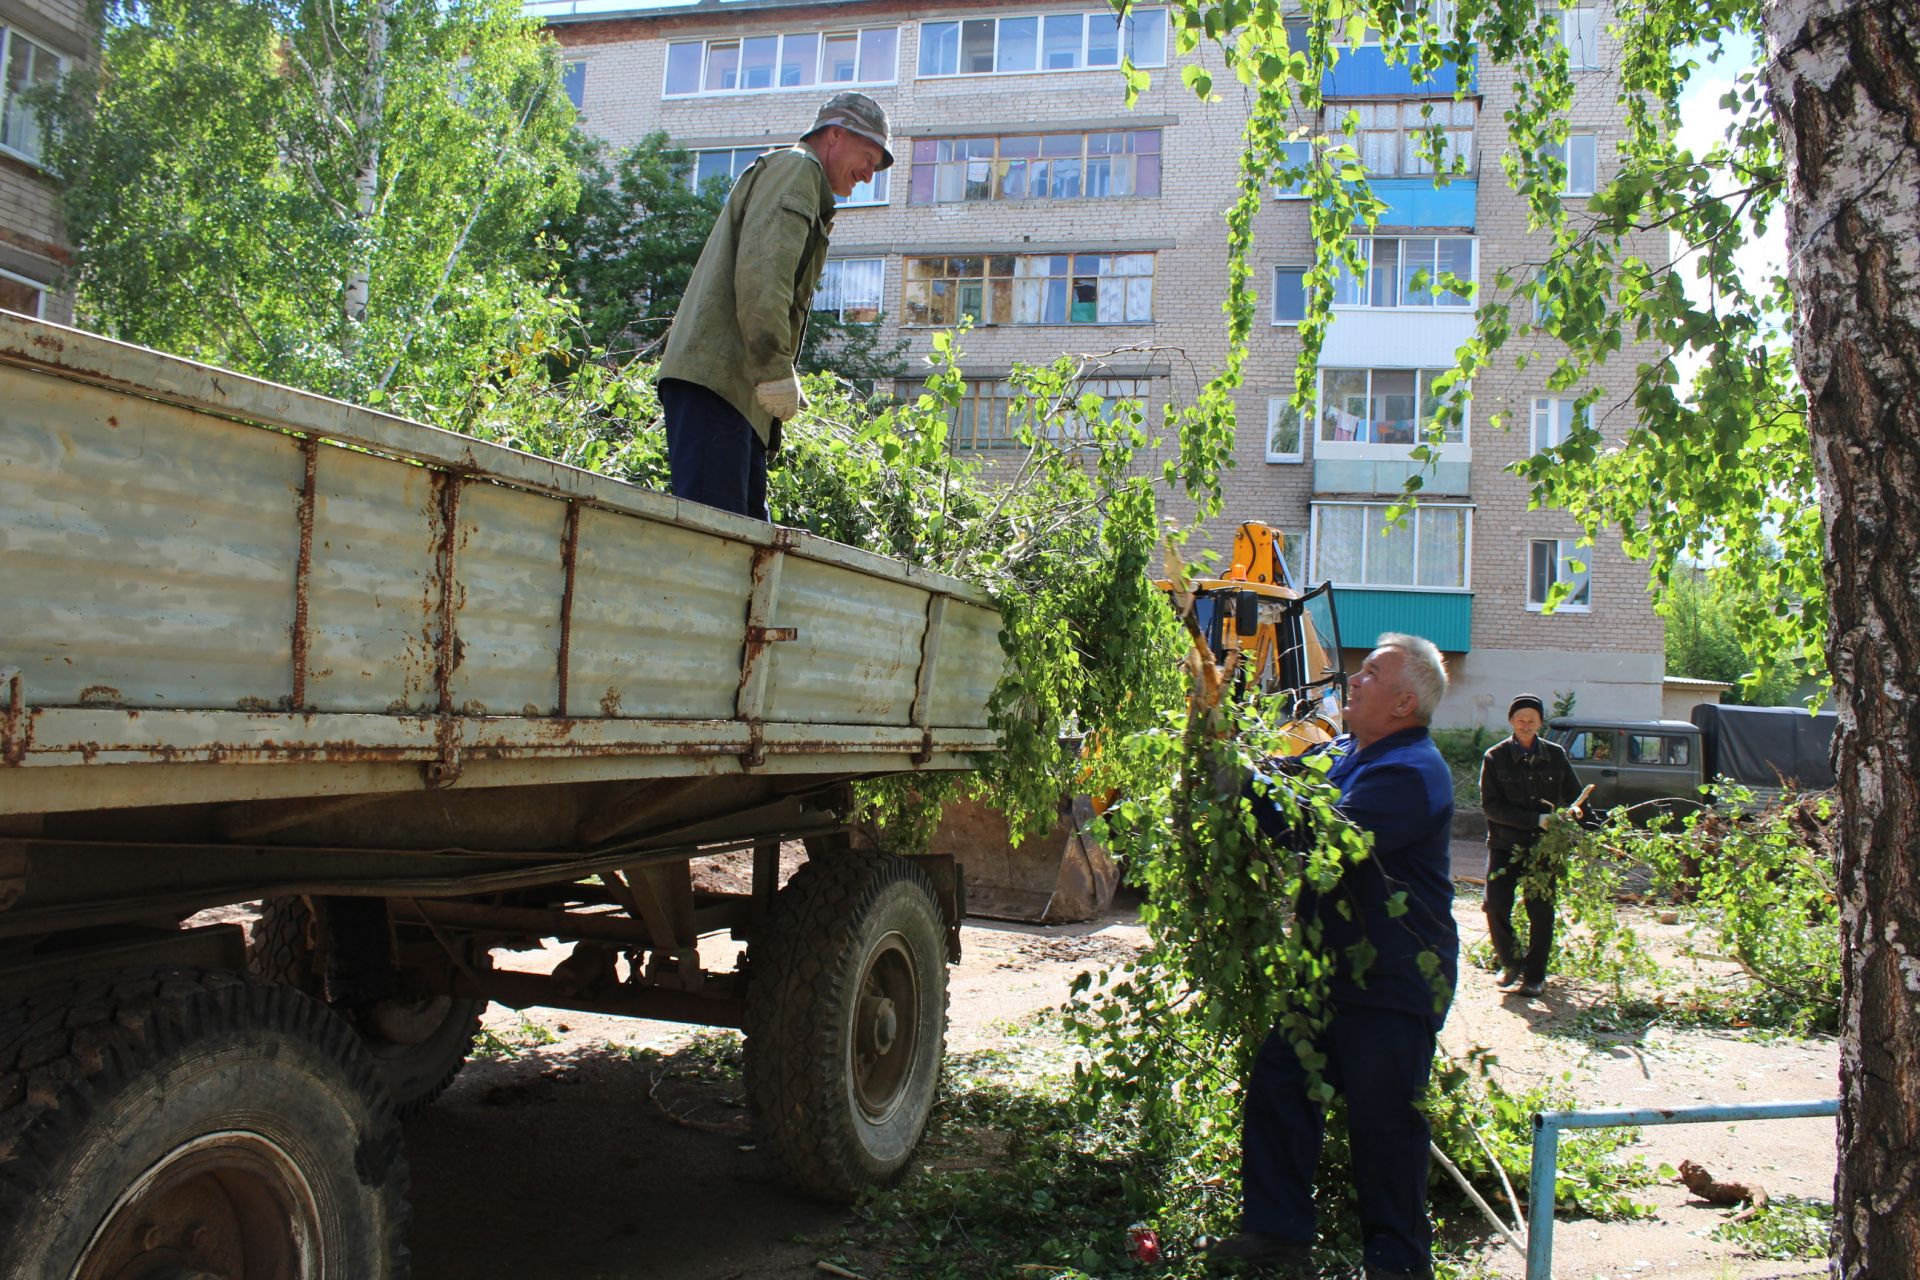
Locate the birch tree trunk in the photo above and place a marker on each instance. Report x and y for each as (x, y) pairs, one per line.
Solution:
(1844, 86)
(366, 180)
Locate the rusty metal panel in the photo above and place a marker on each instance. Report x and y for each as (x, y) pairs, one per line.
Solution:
(658, 619)
(857, 652)
(971, 663)
(144, 550)
(507, 617)
(69, 354)
(372, 598)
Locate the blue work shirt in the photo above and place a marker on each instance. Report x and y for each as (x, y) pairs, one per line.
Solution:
(1399, 789)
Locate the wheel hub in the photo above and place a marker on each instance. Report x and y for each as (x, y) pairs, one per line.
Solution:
(225, 1206)
(879, 1024)
(886, 1028)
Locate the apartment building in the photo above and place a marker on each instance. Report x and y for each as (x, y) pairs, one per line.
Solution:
(1028, 197)
(39, 41)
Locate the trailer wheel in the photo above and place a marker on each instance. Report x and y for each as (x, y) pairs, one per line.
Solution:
(171, 1123)
(419, 1042)
(846, 1021)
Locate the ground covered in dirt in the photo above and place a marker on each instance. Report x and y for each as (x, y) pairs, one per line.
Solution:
(583, 1147)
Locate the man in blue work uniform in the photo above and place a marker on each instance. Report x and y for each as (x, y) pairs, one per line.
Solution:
(1379, 1043)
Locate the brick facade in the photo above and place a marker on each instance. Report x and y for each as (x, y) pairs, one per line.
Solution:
(34, 253)
(1611, 656)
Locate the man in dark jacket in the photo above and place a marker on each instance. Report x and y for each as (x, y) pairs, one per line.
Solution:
(1378, 1047)
(1523, 779)
(727, 381)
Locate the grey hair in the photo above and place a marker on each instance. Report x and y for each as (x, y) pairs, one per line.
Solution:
(1426, 671)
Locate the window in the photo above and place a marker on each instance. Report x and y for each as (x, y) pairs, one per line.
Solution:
(851, 288)
(1382, 406)
(1043, 42)
(983, 420)
(1657, 749)
(727, 164)
(797, 60)
(28, 65)
(573, 78)
(724, 165)
(1580, 32)
(1553, 420)
(1439, 12)
(1293, 159)
(1293, 554)
(1591, 744)
(1555, 560)
(1354, 545)
(1284, 436)
(1394, 138)
(1044, 166)
(1408, 271)
(1057, 288)
(1289, 295)
(17, 293)
(1580, 156)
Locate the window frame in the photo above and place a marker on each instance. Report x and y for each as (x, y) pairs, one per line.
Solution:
(1277, 406)
(1285, 269)
(1584, 44)
(1015, 278)
(1001, 392)
(819, 83)
(8, 33)
(569, 69)
(40, 288)
(999, 163)
(1413, 523)
(1435, 306)
(1333, 125)
(1564, 150)
(1320, 407)
(879, 187)
(879, 294)
(1124, 40)
(1556, 403)
(1584, 604)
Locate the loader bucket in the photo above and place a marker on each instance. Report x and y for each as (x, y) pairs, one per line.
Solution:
(1058, 877)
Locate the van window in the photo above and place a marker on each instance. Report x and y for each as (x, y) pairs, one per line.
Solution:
(1591, 744)
(1654, 748)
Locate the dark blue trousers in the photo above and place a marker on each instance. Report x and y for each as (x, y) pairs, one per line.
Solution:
(713, 453)
(1378, 1060)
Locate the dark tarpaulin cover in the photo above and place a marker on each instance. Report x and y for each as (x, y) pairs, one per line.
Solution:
(1759, 746)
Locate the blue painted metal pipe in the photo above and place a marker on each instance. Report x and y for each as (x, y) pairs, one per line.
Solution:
(1546, 1153)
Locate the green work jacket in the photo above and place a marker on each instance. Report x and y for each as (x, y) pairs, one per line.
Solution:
(745, 309)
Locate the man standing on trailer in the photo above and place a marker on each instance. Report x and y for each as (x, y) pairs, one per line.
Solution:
(728, 379)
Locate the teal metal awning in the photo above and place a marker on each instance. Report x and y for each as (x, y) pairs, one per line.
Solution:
(1444, 617)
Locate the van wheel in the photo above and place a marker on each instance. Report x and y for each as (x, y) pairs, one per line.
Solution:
(162, 1123)
(420, 1042)
(846, 1019)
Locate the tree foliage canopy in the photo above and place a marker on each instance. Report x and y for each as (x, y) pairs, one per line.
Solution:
(344, 196)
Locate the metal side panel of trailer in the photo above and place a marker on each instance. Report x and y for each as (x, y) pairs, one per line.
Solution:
(203, 573)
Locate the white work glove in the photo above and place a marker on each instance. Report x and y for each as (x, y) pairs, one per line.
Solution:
(781, 397)
(1547, 815)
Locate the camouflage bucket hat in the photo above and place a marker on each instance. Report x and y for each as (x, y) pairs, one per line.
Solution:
(857, 114)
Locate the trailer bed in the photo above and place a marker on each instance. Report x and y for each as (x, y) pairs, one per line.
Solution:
(205, 574)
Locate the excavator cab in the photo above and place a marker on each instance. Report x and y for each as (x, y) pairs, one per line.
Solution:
(1257, 608)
